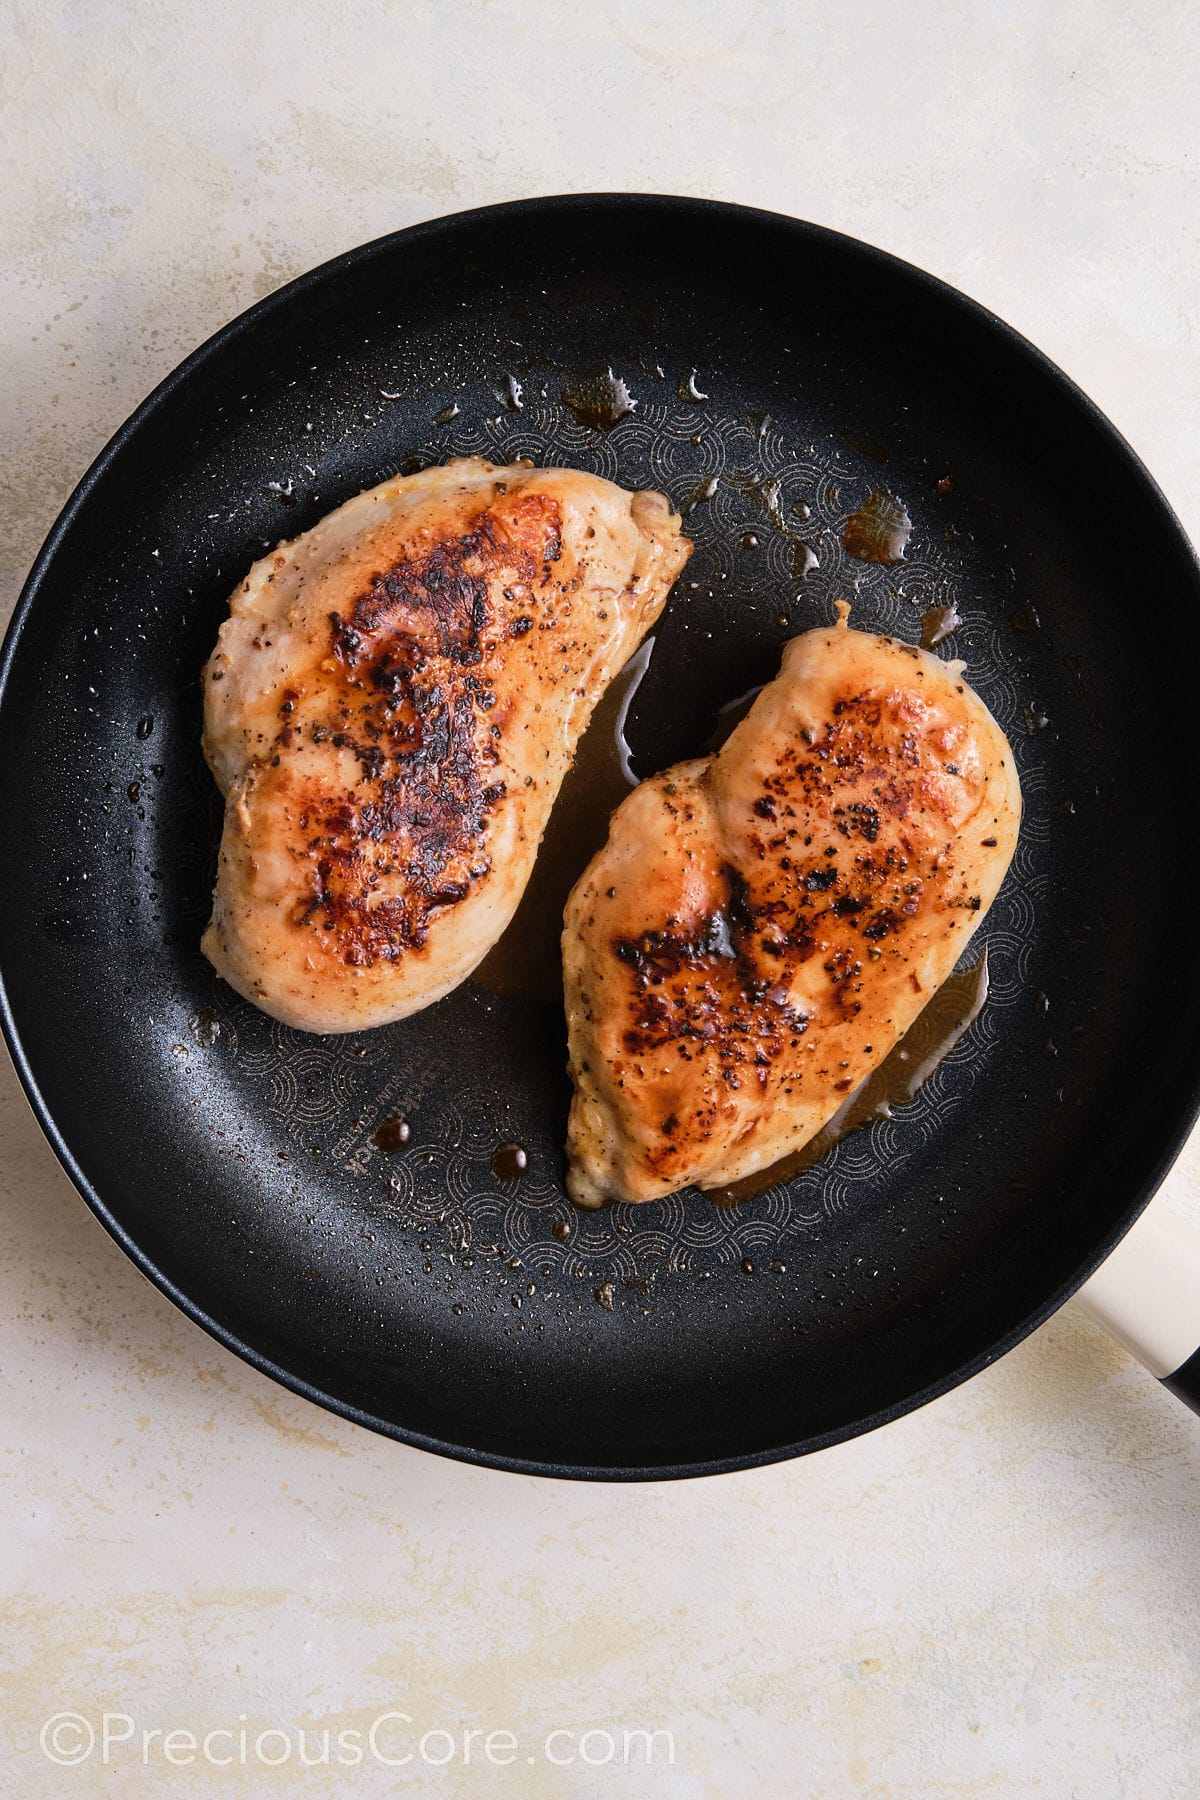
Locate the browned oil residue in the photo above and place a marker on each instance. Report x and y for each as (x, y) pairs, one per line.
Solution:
(904, 1070)
(879, 531)
(937, 624)
(392, 1134)
(598, 400)
(509, 1161)
(528, 958)
(866, 446)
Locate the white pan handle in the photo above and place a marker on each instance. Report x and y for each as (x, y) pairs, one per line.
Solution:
(1147, 1296)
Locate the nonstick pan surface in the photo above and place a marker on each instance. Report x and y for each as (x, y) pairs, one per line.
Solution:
(415, 1292)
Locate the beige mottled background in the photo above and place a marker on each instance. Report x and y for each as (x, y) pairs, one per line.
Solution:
(999, 1596)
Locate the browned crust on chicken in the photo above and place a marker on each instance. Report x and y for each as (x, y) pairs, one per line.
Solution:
(409, 689)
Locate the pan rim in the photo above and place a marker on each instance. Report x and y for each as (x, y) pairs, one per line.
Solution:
(249, 321)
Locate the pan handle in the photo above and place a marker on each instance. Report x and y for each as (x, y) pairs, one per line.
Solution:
(1147, 1296)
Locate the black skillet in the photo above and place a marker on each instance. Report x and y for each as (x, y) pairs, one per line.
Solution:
(415, 1292)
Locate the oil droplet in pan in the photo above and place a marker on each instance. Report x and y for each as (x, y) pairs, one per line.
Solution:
(1025, 619)
(804, 559)
(704, 490)
(904, 1070)
(509, 1161)
(392, 1134)
(766, 492)
(205, 1029)
(937, 624)
(598, 400)
(878, 532)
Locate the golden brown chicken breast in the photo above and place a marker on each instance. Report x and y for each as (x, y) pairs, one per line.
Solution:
(765, 923)
(389, 711)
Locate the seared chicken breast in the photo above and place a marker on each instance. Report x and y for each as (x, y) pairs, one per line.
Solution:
(390, 708)
(765, 923)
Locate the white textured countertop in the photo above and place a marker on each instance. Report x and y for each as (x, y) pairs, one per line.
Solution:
(997, 1596)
